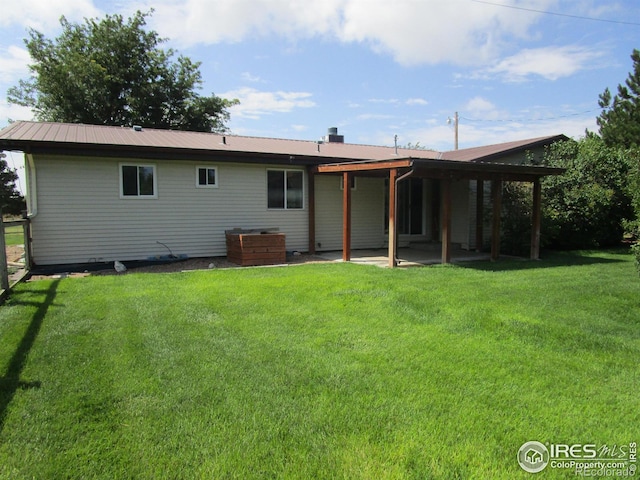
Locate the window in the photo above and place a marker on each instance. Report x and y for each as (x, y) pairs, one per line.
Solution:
(138, 181)
(285, 189)
(207, 177)
(352, 181)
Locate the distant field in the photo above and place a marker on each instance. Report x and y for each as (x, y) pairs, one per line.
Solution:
(14, 235)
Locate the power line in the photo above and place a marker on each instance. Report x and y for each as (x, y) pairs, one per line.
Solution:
(580, 17)
(513, 120)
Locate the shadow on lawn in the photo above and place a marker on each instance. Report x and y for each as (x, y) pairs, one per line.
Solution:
(549, 259)
(10, 383)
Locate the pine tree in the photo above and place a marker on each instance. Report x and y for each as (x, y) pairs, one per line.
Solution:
(619, 121)
(11, 200)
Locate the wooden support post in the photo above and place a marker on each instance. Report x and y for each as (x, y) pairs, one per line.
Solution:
(393, 174)
(446, 220)
(536, 215)
(4, 269)
(496, 196)
(346, 216)
(479, 215)
(312, 211)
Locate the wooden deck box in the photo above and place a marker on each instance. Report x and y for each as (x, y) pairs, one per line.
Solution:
(247, 248)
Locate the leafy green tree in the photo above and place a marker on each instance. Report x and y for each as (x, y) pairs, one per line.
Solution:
(11, 201)
(588, 205)
(619, 121)
(515, 218)
(112, 72)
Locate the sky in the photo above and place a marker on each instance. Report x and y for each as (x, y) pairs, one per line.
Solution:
(511, 69)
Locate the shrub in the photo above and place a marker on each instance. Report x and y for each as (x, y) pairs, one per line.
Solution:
(589, 204)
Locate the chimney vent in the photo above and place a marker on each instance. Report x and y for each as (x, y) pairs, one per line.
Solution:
(332, 136)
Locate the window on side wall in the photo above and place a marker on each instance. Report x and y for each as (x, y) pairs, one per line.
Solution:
(285, 189)
(207, 177)
(138, 181)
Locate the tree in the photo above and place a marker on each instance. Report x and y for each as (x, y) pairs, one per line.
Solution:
(589, 204)
(619, 121)
(112, 72)
(11, 201)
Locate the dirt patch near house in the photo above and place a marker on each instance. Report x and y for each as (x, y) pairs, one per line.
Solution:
(15, 253)
(208, 263)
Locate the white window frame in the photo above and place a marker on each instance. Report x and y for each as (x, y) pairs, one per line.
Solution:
(208, 185)
(284, 172)
(138, 196)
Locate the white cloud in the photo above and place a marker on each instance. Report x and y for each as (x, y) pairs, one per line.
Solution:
(412, 32)
(417, 101)
(247, 77)
(44, 15)
(480, 108)
(374, 116)
(473, 134)
(254, 103)
(202, 21)
(13, 112)
(550, 63)
(388, 101)
(14, 63)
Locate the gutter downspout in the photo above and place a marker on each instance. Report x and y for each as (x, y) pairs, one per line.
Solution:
(30, 183)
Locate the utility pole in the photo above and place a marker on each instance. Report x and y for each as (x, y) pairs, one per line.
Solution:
(455, 129)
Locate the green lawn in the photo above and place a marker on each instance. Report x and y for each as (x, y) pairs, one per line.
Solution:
(319, 371)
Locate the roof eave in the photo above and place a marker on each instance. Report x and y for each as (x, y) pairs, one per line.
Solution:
(161, 153)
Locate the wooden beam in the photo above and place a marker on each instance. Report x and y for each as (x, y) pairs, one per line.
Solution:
(536, 216)
(496, 197)
(364, 166)
(479, 215)
(346, 216)
(311, 179)
(393, 174)
(446, 220)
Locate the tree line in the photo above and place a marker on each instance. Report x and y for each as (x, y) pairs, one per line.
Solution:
(596, 202)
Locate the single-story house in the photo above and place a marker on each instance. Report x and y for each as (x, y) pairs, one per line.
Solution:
(100, 193)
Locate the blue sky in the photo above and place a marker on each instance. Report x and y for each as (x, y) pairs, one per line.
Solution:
(513, 69)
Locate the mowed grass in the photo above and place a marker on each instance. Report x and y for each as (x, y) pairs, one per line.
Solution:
(319, 371)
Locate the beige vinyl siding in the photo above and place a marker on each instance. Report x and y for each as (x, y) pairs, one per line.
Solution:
(367, 213)
(81, 217)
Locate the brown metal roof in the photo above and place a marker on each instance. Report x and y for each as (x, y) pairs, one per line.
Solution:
(489, 152)
(65, 138)
(33, 136)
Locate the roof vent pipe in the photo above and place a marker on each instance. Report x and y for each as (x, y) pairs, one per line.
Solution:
(137, 128)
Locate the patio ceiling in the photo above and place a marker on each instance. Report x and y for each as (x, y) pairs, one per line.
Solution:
(443, 169)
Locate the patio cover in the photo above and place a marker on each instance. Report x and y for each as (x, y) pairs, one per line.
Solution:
(446, 171)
